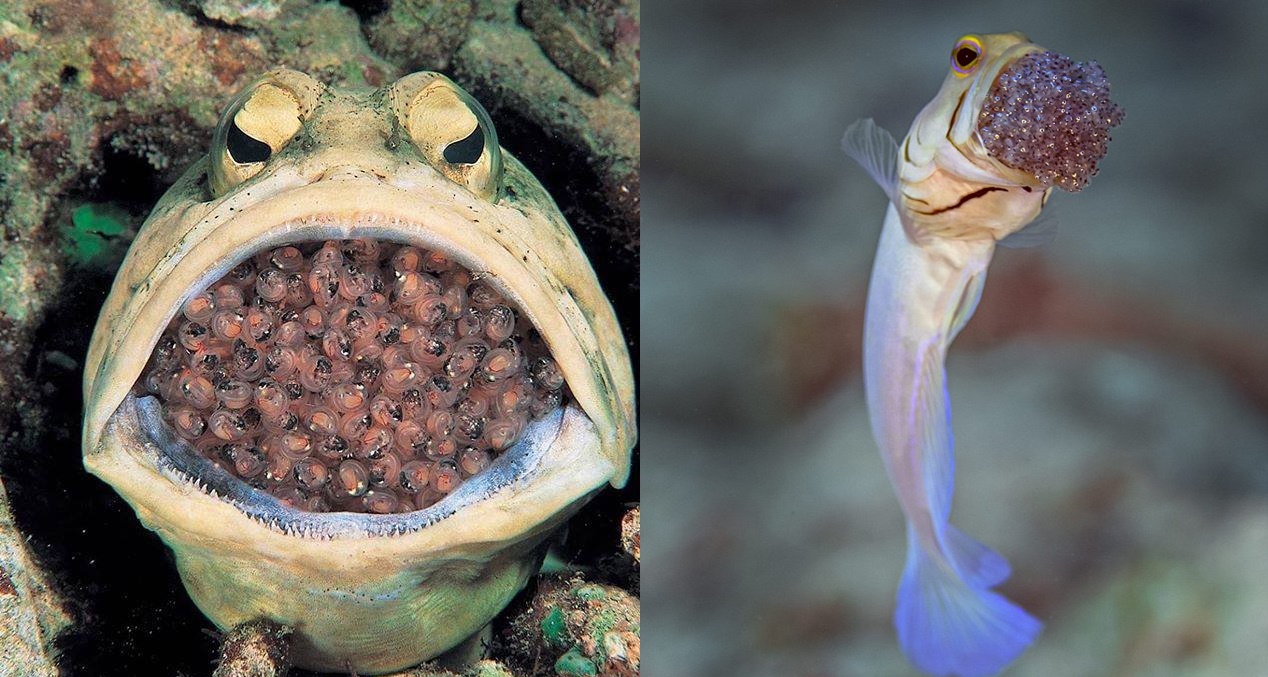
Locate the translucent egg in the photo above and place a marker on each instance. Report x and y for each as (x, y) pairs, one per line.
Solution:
(471, 323)
(197, 390)
(498, 364)
(374, 442)
(335, 345)
(546, 374)
(200, 307)
(397, 379)
(469, 427)
(352, 479)
(227, 425)
(444, 477)
(289, 334)
(406, 258)
(234, 394)
(314, 373)
(247, 462)
(259, 324)
(311, 474)
(455, 298)
(226, 325)
(323, 283)
(295, 445)
(499, 323)
(440, 392)
(353, 282)
(329, 253)
(334, 448)
(278, 467)
(270, 285)
(385, 411)
(363, 251)
(413, 476)
(502, 433)
(435, 262)
(441, 447)
(385, 471)
(483, 296)
(188, 423)
(354, 425)
(228, 296)
(288, 259)
(429, 310)
(281, 362)
(297, 293)
(473, 460)
(192, 335)
(409, 438)
(380, 502)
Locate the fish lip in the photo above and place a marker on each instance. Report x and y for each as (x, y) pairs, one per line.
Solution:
(315, 225)
(179, 462)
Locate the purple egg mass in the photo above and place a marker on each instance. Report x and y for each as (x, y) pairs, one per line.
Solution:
(1050, 117)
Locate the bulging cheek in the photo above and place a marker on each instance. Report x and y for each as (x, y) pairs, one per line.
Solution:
(360, 375)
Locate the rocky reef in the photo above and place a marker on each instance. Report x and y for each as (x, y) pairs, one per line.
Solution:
(104, 104)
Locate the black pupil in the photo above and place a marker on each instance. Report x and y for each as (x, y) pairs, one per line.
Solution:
(244, 149)
(468, 150)
(965, 56)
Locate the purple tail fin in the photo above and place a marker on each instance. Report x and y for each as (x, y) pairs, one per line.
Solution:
(949, 626)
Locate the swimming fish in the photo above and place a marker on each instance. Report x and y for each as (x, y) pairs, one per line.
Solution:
(1011, 121)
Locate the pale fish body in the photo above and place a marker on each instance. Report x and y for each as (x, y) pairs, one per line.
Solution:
(951, 202)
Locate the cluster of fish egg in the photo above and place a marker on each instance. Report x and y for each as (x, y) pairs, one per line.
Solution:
(1050, 116)
(357, 376)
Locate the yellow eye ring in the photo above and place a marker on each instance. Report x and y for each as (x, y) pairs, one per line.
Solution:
(966, 55)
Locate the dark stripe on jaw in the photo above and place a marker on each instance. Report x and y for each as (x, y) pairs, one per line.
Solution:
(906, 149)
(956, 113)
(915, 199)
(966, 198)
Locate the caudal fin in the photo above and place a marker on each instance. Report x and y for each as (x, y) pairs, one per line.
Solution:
(948, 626)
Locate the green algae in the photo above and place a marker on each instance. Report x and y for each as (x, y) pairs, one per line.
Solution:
(575, 664)
(95, 232)
(589, 593)
(555, 629)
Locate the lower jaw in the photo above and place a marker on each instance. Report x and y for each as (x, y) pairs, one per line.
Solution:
(374, 593)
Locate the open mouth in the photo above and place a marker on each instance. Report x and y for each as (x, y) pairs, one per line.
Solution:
(1050, 116)
(350, 376)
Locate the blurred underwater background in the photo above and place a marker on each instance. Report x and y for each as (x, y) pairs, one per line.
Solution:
(1110, 398)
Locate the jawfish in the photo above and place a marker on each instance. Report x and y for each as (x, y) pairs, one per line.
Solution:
(1011, 121)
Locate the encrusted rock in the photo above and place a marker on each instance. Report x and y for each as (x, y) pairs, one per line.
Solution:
(630, 533)
(582, 628)
(597, 43)
(31, 614)
(255, 649)
(421, 34)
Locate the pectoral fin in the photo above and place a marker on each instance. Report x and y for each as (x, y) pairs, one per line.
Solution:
(964, 309)
(876, 150)
(1037, 233)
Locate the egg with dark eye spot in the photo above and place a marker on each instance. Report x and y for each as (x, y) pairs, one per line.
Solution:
(310, 379)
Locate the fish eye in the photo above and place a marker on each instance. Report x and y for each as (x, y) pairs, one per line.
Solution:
(450, 130)
(966, 55)
(243, 148)
(258, 124)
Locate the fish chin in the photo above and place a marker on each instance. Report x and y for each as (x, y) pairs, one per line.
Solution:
(1049, 116)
